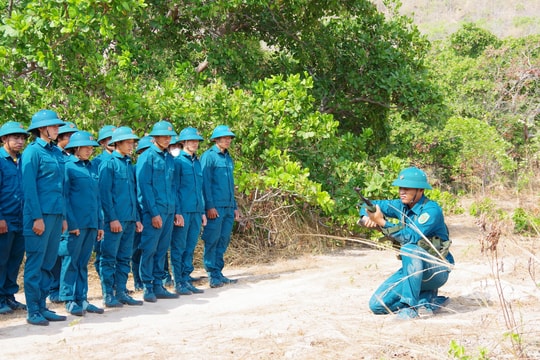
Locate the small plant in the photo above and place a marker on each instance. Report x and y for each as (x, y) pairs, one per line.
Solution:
(481, 207)
(487, 207)
(491, 233)
(457, 351)
(525, 222)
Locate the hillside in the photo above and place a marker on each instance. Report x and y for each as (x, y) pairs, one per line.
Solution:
(439, 18)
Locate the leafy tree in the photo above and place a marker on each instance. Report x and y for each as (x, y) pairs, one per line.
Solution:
(483, 153)
(364, 65)
(499, 86)
(472, 40)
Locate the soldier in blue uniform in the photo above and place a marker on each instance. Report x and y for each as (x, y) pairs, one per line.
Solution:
(119, 203)
(174, 149)
(64, 133)
(142, 146)
(424, 240)
(13, 137)
(189, 204)
(156, 192)
(85, 223)
(220, 204)
(104, 136)
(44, 213)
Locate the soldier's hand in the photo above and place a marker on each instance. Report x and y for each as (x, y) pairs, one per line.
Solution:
(3, 227)
(39, 227)
(377, 217)
(116, 227)
(178, 220)
(212, 214)
(157, 222)
(367, 222)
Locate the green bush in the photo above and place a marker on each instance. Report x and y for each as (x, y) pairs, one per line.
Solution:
(471, 40)
(448, 201)
(482, 156)
(526, 222)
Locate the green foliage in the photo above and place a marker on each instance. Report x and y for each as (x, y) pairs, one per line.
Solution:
(458, 351)
(374, 178)
(526, 222)
(485, 206)
(448, 201)
(63, 53)
(488, 208)
(363, 64)
(482, 154)
(499, 87)
(471, 40)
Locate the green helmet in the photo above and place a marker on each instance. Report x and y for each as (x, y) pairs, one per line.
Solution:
(81, 138)
(221, 131)
(44, 118)
(413, 178)
(12, 128)
(105, 132)
(162, 128)
(175, 140)
(67, 128)
(190, 133)
(122, 133)
(144, 143)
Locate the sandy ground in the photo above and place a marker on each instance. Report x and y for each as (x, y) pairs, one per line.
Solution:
(314, 307)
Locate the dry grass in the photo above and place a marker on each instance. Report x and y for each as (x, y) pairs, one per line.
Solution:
(269, 227)
(439, 18)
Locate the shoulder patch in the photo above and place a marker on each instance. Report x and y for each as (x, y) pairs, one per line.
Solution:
(423, 218)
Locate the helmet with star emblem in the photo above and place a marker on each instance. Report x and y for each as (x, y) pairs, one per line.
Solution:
(162, 128)
(412, 178)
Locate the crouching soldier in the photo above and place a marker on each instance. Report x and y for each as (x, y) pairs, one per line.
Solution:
(425, 258)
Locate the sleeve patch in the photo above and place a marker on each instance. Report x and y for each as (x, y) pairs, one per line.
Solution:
(423, 218)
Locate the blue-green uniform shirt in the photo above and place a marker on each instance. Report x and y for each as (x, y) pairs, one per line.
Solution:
(426, 216)
(156, 186)
(43, 179)
(11, 194)
(117, 189)
(104, 156)
(218, 180)
(190, 179)
(83, 198)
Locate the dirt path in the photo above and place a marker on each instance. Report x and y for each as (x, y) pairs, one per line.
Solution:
(314, 307)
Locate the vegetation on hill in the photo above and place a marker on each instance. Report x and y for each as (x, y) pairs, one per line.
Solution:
(323, 95)
(438, 19)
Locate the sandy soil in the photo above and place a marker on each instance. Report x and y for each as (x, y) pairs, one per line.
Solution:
(314, 307)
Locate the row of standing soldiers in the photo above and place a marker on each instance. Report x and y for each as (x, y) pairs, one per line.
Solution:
(58, 205)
